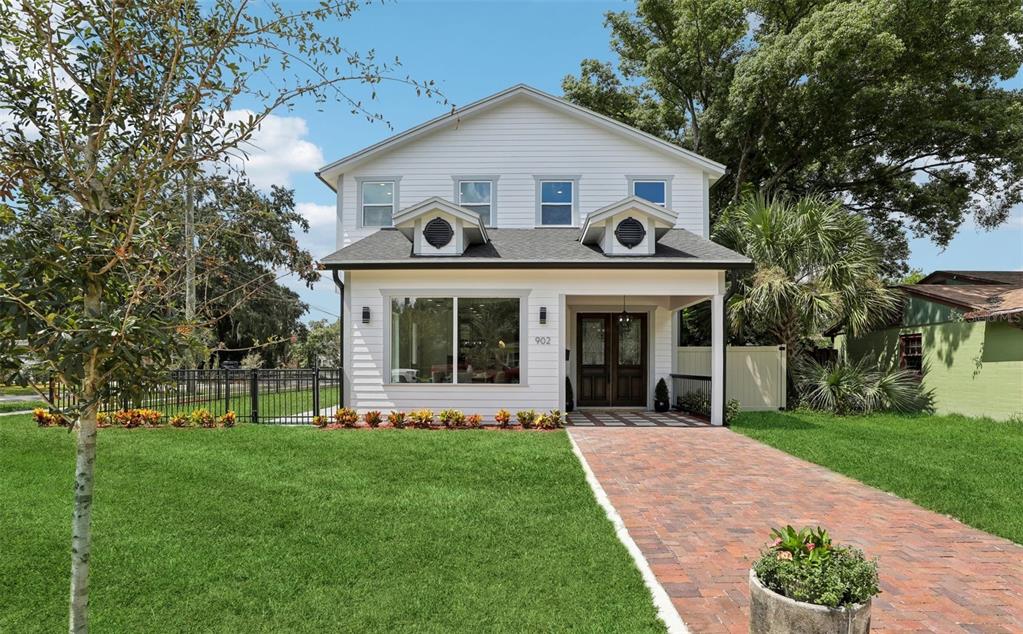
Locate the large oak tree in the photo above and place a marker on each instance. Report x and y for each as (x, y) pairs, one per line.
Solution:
(893, 106)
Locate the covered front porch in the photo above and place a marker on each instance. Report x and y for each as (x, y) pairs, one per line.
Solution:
(618, 347)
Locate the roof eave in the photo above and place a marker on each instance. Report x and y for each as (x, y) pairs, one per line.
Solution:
(435, 262)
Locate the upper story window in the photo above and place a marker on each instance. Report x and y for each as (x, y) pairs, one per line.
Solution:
(655, 191)
(478, 196)
(557, 199)
(377, 203)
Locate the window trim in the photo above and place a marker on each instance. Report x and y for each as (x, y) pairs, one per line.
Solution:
(630, 188)
(539, 181)
(360, 216)
(471, 178)
(903, 337)
(521, 295)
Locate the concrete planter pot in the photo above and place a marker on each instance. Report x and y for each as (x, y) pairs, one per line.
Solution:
(772, 613)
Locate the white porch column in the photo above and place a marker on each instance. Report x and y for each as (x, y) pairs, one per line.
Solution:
(717, 359)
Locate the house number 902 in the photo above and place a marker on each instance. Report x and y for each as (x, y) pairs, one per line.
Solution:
(542, 341)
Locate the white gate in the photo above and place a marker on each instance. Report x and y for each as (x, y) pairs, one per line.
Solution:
(756, 374)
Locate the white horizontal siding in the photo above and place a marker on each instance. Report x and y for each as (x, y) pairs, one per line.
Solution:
(365, 354)
(519, 141)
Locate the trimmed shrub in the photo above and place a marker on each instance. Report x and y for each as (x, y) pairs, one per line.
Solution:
(45, 418)
(473, 421)
(452, 418)
(732, 409)
(396, 419)
(661, 391)
(346, 417)
(202, 418)
(502, 418)
(228, 420)
(805, 566)
(550, 420)
(178, 421)
(372, 418)
(526, 418)
(421, 419)
(695, 402)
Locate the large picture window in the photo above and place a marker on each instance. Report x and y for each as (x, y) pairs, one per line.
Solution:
(488, 340)
(455, 340)
(421, 333)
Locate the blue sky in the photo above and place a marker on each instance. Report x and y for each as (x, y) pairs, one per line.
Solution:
(473, 49)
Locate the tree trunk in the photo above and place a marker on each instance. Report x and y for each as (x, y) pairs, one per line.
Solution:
(85, 459)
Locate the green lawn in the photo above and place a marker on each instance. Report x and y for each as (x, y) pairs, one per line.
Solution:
(968, 468)
(18, 406)
(262, 528)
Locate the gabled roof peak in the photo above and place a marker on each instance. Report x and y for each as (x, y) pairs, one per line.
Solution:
(329, 173)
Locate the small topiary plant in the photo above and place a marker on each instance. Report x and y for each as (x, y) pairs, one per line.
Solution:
(732, 410)
(805, 566)
(473, 421)
(373, 418)
(228, 419)
(502, 418)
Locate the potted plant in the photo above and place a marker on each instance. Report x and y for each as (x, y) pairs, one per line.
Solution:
(804, 583)
(662, 402)
(569, 396)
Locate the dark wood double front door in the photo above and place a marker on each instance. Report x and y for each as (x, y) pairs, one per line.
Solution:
(611, 360)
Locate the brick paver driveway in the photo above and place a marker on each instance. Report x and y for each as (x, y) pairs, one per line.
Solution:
(699, 503)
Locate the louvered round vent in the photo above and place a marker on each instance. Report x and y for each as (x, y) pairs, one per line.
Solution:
(438, 233)
(630, 232)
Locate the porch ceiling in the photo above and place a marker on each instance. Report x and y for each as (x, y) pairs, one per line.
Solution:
(671, 302)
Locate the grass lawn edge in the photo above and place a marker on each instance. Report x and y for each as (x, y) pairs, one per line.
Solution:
(666, 611)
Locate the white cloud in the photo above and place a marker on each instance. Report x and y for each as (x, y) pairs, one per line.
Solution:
(277, 150)
(319, 216)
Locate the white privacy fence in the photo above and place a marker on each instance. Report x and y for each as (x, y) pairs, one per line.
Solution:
(756, 374)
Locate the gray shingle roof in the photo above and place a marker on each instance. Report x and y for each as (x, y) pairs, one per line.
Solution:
(535, 248)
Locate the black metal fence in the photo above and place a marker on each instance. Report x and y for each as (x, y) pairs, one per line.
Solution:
(288, 396)
(683, 384)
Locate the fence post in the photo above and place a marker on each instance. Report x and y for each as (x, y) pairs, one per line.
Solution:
(254, 395)
(53, 393)
(316, 391)
(226, 374)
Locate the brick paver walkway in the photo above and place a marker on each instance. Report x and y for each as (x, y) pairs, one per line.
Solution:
(699, 503)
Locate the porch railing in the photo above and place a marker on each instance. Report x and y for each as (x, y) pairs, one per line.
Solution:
(683, 384)
(274, 396)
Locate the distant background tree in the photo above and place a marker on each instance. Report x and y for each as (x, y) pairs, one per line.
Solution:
(246, 243)
(110, 108)
(816, 265)
(318, 345)
(892, 107)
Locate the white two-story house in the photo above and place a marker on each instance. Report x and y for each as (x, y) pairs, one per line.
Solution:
(488, 255)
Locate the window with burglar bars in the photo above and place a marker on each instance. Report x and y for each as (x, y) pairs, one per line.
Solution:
(911, 352)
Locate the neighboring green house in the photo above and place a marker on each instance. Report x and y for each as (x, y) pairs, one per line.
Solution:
(963, 330)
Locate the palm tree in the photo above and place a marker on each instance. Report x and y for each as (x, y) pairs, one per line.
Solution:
(816, 265)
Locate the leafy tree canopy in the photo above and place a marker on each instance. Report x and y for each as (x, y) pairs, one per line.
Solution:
(892, 106)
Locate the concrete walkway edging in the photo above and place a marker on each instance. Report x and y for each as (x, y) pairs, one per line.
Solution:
(665, 608)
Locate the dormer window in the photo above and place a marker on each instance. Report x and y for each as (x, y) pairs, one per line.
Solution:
(478, 196)
(655, 191)
(377, 203)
